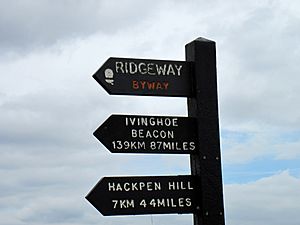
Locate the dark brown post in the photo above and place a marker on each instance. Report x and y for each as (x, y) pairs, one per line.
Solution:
(206, 163)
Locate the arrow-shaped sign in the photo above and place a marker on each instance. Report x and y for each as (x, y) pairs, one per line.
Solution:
(145, 195)
(125, 76)
(148, 134)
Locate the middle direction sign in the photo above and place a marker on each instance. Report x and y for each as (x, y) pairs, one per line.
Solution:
(148, 134)
(125, 76)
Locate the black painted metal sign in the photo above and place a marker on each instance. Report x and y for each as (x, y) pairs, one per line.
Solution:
(148, 134)
(144, 195)
(125, 76)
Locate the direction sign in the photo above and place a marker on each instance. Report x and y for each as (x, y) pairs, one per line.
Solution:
(125, 76)
(145, 195)
(148, 134)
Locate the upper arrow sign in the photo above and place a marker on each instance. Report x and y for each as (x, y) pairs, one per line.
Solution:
(148, 134)
(123, 76)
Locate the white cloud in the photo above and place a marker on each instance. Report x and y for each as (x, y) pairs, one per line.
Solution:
(237, 151)
(271, 200)
(262, 83)
(288, 151)
(250, 146)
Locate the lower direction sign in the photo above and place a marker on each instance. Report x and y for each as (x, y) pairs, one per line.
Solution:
(145, 195)
(148, 134)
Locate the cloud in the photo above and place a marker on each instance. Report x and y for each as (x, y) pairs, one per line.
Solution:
(271, 200)
(246, 147)
(28, 24)
(288, 150)
(261, 84)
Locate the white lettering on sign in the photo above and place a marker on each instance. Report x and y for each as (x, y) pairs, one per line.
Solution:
(153, 145)
(141, 133)
(153, 203)
(151, 186)
(123, 204)
(134, 186)
(125, 145)
(171, 145)
(151, 121)
(166, 203)
(146, 133)
(151, 69)
(180, 185)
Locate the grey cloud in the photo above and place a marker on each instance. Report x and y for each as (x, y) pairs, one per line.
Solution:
(40, 119)
(52, 210)
(27, 25)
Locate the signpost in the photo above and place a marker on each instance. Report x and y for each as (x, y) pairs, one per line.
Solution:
(198, 135)
(206, 164)
(148, 134)
(121, 76)
(144, 195)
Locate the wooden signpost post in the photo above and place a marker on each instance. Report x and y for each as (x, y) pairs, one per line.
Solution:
(206, 164)
(200, 193)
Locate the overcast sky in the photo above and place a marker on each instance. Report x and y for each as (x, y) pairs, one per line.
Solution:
(50, 104)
